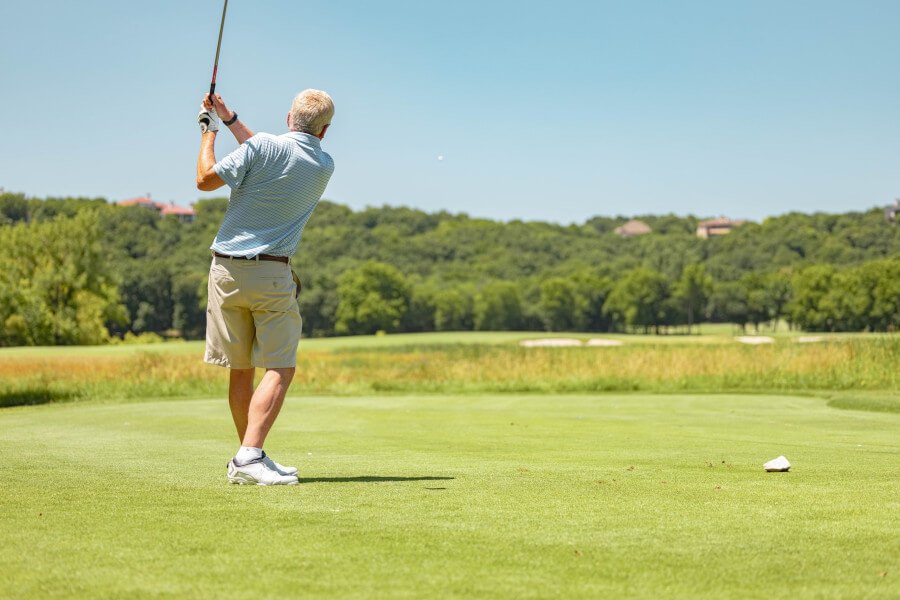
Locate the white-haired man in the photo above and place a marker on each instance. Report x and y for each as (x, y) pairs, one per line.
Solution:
(253, 319)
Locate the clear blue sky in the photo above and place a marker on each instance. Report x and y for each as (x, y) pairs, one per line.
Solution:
(555, 111)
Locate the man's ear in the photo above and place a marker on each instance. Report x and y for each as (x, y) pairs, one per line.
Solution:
(324, 129)
(289, 120)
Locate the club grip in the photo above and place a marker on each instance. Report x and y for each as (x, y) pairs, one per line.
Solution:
(212, 90)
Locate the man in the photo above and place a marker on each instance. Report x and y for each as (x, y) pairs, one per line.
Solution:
(253, 319)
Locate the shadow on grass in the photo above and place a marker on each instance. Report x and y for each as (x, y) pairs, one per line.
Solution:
(369, 479)
(33, 396)
(874, 402)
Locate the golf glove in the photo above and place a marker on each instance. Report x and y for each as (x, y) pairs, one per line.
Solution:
(208, 119)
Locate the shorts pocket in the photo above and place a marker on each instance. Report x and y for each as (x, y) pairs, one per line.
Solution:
(220, 273)
(276, 294)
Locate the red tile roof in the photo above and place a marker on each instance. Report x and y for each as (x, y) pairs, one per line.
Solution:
(171, 209)
(632, 227)
(718, 222)
(164, 209)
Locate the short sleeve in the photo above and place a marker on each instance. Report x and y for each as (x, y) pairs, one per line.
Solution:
(234, 167)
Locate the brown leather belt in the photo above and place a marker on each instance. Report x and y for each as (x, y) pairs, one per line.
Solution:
(281, 259)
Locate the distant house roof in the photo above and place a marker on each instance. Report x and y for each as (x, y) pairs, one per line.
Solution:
(717, 226)
(160, 207)
(137, 202)
(720, 222)
(632, 228)
(891, 212)
(171, 209)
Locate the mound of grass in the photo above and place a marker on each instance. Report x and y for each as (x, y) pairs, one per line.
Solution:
(861, 400)
(454, 496)
(30, 396)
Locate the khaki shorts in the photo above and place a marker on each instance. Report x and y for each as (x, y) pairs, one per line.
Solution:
(252, 316)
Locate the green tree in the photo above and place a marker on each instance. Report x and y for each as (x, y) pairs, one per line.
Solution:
(638, 299)
(864, 297)
(58, 285)
(691, 292)
(885, 311)
(498, 307)
(454, 308)
(810, 289)
(777, 287)
(13, 208)
(729, 303)
(372, 297)
(189, 304)
(420, 314)
(561, 305)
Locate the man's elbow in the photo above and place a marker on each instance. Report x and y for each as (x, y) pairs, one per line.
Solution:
(209, 182)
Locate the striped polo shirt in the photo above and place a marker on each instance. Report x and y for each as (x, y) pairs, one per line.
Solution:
(276, 182)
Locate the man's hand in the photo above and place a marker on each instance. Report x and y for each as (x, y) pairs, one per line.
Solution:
(241, 132)
(221, 109)
(207, 179)
(208, 118)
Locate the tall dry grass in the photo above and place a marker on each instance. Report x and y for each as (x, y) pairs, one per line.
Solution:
(858, 364)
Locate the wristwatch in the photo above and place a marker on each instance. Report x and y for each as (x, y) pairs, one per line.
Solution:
(230, 121)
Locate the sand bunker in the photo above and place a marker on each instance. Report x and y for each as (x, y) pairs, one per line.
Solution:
(550, 342)
(603, 342)
(755, 339)
(810, 339)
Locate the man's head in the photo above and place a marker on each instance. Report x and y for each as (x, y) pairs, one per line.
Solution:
(311, 112)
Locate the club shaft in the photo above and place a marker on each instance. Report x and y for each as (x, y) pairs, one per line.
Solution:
(212, 85)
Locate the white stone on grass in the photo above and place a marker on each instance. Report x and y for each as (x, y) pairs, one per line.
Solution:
(603, 342)
(777, 465)
(755, 339)
(550, 342)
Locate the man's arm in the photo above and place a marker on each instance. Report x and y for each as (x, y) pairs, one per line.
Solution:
(241, 132)
(207, 179)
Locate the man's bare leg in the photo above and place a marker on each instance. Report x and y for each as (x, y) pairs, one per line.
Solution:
(265, 405)
(240, 391)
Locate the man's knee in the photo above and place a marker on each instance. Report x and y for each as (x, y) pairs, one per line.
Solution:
(286, 375)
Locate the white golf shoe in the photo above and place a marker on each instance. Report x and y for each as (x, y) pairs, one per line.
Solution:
(257, 473)
(279, 468)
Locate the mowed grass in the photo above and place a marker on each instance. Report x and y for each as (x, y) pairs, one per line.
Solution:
(475, 496)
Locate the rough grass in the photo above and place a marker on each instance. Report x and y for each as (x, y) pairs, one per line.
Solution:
(502, 496)
(717, 333)
(855, 364)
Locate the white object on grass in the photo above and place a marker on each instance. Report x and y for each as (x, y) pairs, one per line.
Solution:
(810, 339)
(777, 465)
(603, 342)
(257, 473)
(551, 342)
(755, 339)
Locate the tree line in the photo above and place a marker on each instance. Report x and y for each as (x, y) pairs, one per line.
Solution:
(83, 271)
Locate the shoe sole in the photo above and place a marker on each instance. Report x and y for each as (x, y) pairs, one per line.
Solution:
(242, 481)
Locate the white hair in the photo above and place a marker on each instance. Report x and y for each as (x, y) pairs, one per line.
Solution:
(311, 111)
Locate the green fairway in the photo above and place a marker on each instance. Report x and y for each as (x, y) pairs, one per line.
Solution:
(512, 496)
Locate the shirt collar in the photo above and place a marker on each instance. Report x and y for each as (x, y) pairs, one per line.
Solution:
(304, 137)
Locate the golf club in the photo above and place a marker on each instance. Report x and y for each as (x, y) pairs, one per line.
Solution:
(212, 85)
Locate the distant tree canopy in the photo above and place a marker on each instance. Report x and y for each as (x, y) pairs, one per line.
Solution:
(76, 270)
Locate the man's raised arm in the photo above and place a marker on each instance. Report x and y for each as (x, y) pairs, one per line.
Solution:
(229, 118)
(207, 178)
